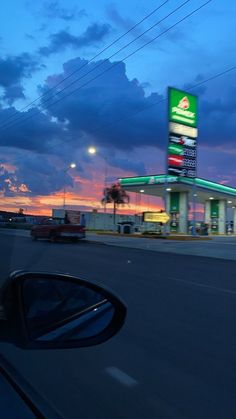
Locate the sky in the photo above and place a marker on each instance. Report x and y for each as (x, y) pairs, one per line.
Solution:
(69, 79)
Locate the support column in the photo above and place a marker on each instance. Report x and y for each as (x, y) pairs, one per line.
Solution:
(222, 216)
(183, 212)
(207, 214)
(168, 203)
(215, 215)
(167, 226)
(234, 220)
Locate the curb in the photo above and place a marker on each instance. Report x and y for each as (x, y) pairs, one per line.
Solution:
(153, 237)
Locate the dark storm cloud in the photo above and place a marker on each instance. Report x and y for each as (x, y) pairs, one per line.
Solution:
(12, 93)
(94, 34)
(137, 167)
(41, 176)
(114, 112)
(217, 109)
(196, 88)
(217, 164)
(216, 126)
(217, 115)
(106, 100)
(36, 133)
(13, 69)
(53, 10)
(34, 175)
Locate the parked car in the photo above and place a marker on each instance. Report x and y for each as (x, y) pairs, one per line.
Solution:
(56, 229)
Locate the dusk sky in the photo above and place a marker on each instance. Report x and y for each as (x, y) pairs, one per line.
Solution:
(56, 100)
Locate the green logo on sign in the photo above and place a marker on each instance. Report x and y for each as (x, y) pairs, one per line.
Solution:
(182, 107)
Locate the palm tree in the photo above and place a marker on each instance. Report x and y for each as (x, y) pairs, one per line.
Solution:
(116, 194)
(21, 212)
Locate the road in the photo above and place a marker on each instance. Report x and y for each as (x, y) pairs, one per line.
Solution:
(223, 247)
(174, 358)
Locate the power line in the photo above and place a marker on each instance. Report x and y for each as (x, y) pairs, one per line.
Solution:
(213, 77)
(203, 82)
(89, 61)
(145, 108)
(117, 63)
(119, 50)
(7, 125)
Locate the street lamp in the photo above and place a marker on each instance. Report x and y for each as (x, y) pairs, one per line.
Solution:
(93, 151)
(71, 166)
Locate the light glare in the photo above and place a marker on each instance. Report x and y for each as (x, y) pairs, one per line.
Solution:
(92, 150)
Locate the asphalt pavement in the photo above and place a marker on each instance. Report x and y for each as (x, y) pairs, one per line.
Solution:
(174, 358)
(223, 247)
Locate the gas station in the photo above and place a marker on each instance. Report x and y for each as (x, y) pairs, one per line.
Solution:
(180, 186)
(179, 192)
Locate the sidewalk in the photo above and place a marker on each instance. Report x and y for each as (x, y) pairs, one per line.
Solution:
(217, 247)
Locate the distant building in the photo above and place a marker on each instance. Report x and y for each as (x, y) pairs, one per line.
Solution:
(104, 221)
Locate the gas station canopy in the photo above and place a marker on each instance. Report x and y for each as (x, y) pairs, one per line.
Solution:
(202, 189)
(179, 185)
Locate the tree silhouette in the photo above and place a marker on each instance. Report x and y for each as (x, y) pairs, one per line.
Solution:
(117, 195)
(21, 212)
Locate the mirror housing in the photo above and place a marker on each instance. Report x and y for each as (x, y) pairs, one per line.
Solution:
(41, 310)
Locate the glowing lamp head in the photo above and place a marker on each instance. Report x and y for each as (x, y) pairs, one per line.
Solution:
(92, 150)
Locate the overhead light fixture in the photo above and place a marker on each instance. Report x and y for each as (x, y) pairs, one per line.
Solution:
(229, 202)
(195, 194)
(141, 190)
(211, 197)
(92, 150)
(233, 207)
(168, 189)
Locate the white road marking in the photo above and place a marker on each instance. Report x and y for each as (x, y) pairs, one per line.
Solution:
(197, 284)
(121, 376)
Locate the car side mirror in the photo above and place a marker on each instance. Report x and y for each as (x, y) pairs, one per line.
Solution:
(50, 311)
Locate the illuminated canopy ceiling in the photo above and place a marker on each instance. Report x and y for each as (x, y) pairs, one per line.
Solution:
(157, 184)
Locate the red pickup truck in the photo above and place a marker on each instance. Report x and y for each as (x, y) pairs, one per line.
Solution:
(54, 230)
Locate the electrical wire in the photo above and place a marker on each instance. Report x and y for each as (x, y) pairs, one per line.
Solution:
(89, 61)
(7, 125)
(203, 82)
(116, 63)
